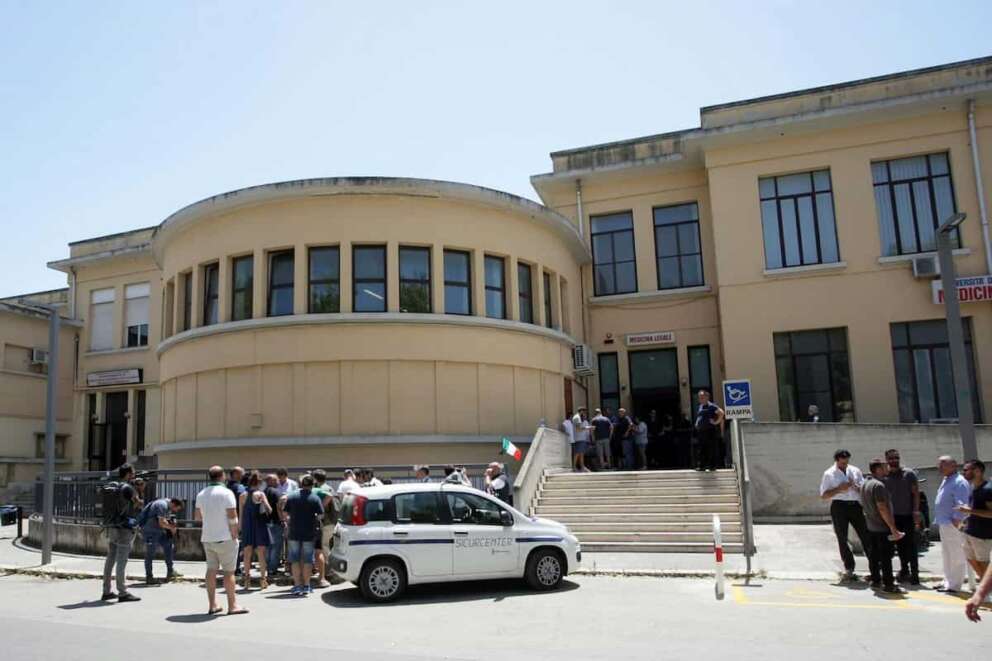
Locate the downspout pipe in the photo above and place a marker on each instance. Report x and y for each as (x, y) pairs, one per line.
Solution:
(979, 186)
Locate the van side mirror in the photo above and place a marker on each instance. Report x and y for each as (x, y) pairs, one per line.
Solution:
(505, 518)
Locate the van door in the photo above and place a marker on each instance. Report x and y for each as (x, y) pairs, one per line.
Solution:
(420, 534)
(482, 544)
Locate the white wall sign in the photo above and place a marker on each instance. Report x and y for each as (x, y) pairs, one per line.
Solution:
(659, 337)
(113, 377)
(970, 290)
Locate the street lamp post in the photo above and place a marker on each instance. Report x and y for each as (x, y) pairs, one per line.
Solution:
(48, 492)
(955, 336)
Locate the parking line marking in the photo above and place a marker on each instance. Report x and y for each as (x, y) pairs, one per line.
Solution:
(739, 596)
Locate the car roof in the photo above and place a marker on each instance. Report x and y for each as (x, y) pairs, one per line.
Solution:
(389, 490)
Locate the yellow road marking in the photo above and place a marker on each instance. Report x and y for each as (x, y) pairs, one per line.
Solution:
(739, 596)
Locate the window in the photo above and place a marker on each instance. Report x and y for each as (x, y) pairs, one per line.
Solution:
(469, 509)
(677, 247)
(609, 382)
(39, 445)
(281, 283)
(325, 280)
(700, 377)
(457, 282)
(495, 287)
(168, 309)
(525, 293)
(242, 287)
(18, 359)
(210, 294)
(563, 307)
(813, 368)
(613, 254)
(369, 268)
(101, 319)
(924, 378)
(187, 300)
(415, 279)
(797, 220)
(136, 314)
(913, 196)
(548, 317)
(139, 422)
(416, 508)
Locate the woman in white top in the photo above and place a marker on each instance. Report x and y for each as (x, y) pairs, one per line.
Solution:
(641, 442)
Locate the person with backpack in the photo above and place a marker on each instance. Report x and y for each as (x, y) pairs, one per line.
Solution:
(120, 509)
(158, 527)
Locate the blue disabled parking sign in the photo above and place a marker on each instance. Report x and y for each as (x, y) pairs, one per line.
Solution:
(737, 399)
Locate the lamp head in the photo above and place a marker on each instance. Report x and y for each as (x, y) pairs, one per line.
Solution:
(952, 223)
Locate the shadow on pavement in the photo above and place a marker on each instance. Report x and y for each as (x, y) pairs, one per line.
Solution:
(434, 593)
(192, 618)
(86, 604)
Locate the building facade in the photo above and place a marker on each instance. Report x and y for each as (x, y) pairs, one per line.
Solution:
(786, 239)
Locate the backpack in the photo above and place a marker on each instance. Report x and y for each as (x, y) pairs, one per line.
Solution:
(113, 504)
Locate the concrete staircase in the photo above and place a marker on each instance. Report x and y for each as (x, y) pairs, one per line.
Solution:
(645, 511)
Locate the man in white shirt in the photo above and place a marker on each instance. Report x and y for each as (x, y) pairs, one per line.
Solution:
(841, 485)
(348, 484)
(286, 485)
(580, 439)
(217, 510)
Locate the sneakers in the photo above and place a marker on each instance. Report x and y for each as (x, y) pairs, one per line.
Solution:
(893, 589)
(173, 575)
(850, 576)
(127, 596)
(297, 590)
(152, 581)
(323, 584)
(108, 596)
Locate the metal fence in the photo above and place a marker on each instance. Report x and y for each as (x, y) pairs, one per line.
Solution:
(77, 495)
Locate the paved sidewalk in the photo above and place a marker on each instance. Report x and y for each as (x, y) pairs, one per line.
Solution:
(784, 551)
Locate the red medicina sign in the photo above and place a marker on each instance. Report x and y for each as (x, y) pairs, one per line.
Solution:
(970, 290)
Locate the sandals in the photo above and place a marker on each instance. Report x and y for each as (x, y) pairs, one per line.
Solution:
(263, 583)
(238, 611)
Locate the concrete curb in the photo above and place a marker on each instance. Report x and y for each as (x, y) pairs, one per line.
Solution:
(55, 572)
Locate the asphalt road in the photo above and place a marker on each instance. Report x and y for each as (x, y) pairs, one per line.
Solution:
(614, 618)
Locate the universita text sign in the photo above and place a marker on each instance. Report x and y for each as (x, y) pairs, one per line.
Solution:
(970, 290)
(660, 337)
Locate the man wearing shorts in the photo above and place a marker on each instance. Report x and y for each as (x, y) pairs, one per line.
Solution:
(580, 432)
(217, 510)
(304, 510)
(978, 525)
(326, 495)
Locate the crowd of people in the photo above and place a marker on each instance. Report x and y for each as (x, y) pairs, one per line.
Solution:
(247, 518)
(884, 509)
(622, 441)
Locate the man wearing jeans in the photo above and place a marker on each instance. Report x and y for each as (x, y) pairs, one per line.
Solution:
(120, 536)
(217, 510)
(276, 527)
(841, 485)
(305, 511)
(158, 530)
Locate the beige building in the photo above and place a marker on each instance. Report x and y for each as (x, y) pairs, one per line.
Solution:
(392, 321)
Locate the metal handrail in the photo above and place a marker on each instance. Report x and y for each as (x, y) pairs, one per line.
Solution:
(744, 492)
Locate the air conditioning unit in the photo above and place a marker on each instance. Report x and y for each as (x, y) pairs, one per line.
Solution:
(39, 357)
(926, 267)
(582, 360)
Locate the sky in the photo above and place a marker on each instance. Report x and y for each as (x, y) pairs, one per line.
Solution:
(115, 115)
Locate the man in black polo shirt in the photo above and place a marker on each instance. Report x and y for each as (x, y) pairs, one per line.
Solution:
(978, 525)
(709, 421)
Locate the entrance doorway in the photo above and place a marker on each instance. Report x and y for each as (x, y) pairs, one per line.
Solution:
(115, 430)
(654, 386)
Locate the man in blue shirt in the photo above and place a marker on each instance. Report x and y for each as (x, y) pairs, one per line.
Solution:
(707, 427)
(953, 492)
(158, 530)
(304, 510)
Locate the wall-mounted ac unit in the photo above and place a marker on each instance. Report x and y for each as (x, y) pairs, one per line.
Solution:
(926, 267)
(39, 357)
(582, 360)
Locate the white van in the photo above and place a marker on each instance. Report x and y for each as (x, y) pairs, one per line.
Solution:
(392, 536)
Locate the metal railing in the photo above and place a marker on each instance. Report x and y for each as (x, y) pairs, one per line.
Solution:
(743, 491)
(77, 495)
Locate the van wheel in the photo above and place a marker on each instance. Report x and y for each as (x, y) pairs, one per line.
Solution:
(544, 570)
(382, 580)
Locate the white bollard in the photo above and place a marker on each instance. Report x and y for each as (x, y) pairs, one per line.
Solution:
(718, 554)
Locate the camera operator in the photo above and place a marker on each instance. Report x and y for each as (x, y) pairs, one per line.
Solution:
(158, 527)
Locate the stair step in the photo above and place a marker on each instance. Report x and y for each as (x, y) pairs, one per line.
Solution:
(650, 475)
(549, 511)
(637, 490)
(671, 518)
(581, 529)
(657, 547)
(701, 537)
(554, 499)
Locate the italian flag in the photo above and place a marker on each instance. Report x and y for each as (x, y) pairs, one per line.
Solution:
(510, 449)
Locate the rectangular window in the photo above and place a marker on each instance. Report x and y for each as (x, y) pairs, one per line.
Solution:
(325, 280)
(700, 377)
(101, 319)
(495, 287)
(242, 287)
(609, 382)
(924, 376)
(280, 283)
(415, 279)
(421, 507)
(136, 314)
(525, 293)
(797, 220)
(548, 317)
(563, 306)
(457, 282)
(615, 270)
(677, 247)
(139, 422)
(913, 196)
(210, 293)
(813, 368)
(187, 300)
(369, 278)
